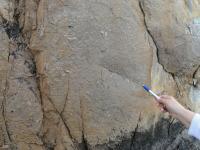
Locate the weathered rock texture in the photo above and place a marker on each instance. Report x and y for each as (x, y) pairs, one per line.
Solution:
(71, 73)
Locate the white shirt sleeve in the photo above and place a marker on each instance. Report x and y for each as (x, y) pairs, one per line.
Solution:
(194, 129)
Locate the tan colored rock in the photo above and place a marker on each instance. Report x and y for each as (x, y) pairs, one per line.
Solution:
(92, 64)
(4, 66)
(22, 100)
(7, 9)
(175, 28)
(21, 114)
(72, 73)
(176, 37)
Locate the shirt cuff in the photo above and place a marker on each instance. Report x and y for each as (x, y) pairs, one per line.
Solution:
(194, 129)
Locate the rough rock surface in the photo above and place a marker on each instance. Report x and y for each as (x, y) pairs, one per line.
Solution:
(72, 70)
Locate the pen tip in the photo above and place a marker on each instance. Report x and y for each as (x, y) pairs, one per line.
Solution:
(146, 87)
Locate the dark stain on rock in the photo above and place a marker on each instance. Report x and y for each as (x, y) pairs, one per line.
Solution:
(84, 145)
(70, 26)
(163, 136)
(12, 29)
(31, 66)
(14, 55)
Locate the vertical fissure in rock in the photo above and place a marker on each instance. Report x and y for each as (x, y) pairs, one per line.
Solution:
(68, 130)
(157, 49)
(17, 12)
(84, 140)
(177, 85)
(195, 81)
(148, 31)
(38, 80)
(61, 117)
(46, 98)
(66, 97)
(11, 30)
(169, 126)
(17, 50)
(152, 37)
(133, 136)
(7, 133)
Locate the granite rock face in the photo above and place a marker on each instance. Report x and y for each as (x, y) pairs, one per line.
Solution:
(176, 34)
(72, 71)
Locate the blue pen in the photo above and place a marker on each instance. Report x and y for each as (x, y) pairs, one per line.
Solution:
(151, 92)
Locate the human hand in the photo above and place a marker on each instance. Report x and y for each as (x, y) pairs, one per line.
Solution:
(170, 104)
(175, 109)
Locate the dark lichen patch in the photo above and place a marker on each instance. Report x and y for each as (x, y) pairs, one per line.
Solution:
(13, 30)
(189, 144)
(157, 137)
(165, 135)
(31, 65)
